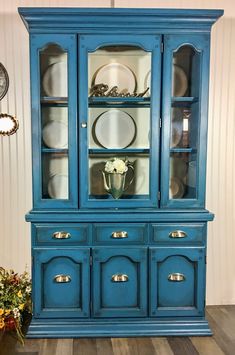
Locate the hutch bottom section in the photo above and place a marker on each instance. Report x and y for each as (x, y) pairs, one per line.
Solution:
(118, 279)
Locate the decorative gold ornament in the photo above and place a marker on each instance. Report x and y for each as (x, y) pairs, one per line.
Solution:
(103, 90)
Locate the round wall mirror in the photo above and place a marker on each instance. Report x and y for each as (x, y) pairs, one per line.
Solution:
(8, 124)
(4, 81)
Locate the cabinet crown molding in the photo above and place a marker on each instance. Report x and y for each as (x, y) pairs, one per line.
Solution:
(120, 19)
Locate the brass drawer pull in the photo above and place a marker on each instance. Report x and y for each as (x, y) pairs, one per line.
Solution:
(177, 234)
(62, 278)
(120, 278)
(61, 235)
(119, 235)
(176, 277)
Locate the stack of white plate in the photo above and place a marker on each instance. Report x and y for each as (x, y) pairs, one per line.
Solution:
(58, 186)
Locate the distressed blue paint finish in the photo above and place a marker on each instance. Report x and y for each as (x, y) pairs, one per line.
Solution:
(147, 304)
(55, 300)
(134, 233)
(195, 233)
(40, 328)
(201, 44)
(140, 215)
(103, 20)
(88, 44)
(120, 299)
(67, 43)
(76, 234)
(177, 298)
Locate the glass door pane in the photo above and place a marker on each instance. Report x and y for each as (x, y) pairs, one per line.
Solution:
(119, 122)
(54, 122)
(184, 123)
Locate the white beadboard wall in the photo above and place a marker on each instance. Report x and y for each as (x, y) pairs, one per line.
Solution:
(15, 151)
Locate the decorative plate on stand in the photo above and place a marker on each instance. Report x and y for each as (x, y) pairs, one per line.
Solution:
(116, 74)
(114, 129)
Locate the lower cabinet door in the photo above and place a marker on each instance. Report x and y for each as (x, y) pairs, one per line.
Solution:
(177, 281)
(119, 282)
(61, 283)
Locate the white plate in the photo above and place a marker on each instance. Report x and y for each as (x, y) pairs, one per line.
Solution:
(58, 164)
(178, 167)
(58, 186)
(55, 114)
(176, 126)
(116, 74)
(114, 129)
(147, 82)
(180, 82)
(192, 173)
(55, 134)
(177, 188)
(54, 80)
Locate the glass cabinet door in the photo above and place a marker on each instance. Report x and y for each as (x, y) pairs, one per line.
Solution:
(184, 111)
(54, 106)
(120, 89)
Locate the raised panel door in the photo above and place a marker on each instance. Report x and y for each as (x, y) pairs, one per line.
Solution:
(61, 283)
(119, 282)
(177, 281)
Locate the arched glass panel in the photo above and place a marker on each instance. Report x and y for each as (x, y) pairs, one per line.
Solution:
(54, 122)
(184, 123)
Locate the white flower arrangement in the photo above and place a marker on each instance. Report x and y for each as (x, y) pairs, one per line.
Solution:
(116, 165)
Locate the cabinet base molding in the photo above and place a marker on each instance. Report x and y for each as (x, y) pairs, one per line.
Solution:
(74, 329)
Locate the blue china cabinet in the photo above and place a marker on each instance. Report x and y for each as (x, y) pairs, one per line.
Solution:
(119, 101)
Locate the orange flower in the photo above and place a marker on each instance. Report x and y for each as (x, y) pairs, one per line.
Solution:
(19, 294)
(1, 311)
(2, 323)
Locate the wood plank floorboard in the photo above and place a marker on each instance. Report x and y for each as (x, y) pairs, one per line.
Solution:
(182, 346)
(104, 346)
(220, 336)
(161, 346)
(221, 319)
(84, 346)
(141, 346)
(120, 346)
(206, 346)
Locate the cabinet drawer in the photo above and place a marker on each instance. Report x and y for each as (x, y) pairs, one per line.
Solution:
(120, 233)
(60, 234)
(179, 233)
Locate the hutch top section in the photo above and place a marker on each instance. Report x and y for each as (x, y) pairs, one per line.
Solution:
(119, 103)
(120, 20)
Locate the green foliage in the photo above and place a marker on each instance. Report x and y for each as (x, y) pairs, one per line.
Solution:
(15, 298)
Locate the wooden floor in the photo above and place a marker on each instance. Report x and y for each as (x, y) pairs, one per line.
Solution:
(221, 319)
